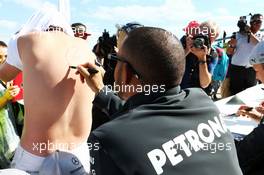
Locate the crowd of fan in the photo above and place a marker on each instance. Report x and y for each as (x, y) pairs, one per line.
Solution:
(219, 71)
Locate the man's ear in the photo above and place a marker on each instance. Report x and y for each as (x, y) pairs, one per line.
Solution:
(127, 73)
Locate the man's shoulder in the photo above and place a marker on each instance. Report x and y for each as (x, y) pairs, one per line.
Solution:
(44, 37)
(36, 39)
(195, 91)
(47, 41)
(190, 98)
(194, 94)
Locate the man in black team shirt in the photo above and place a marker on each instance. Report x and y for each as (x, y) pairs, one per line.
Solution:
(157, 128)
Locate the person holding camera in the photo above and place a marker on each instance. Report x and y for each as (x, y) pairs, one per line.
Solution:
(242, 75)
(201, 58)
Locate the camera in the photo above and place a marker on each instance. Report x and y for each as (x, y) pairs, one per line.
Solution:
(105, 45)
(242, 24)
(200, 40)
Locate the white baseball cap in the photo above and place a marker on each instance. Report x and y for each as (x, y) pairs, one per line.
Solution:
(257, 54)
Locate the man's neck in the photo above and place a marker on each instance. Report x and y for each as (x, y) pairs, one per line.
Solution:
(253, 31)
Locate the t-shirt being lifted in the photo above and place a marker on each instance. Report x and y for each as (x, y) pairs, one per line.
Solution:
(13, 56)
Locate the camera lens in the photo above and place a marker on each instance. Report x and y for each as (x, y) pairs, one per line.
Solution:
(198, 42)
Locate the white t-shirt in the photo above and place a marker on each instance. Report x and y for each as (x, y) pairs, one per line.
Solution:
(12, 54)
(243, 49)
(47, 16)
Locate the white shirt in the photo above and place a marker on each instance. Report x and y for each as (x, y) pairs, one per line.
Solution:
(13, 57)
(243, 49)
(40, 21)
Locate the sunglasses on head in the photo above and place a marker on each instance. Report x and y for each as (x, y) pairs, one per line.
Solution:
(129, 27)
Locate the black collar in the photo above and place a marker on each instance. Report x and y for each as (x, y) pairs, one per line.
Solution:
(142, 98)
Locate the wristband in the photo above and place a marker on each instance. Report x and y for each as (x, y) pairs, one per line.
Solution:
(201, 62)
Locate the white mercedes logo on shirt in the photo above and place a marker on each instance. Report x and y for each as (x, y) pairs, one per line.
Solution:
(75, 161)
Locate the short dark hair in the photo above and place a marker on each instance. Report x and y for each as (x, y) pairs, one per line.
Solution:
(156, 54)
(78, 24)
(3, 44)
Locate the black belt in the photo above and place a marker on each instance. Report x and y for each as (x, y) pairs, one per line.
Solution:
(241, 67)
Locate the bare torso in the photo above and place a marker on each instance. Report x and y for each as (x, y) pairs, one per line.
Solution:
(57, 105)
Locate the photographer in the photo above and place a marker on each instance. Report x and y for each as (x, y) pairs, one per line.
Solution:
(242, 75)
(201, 58)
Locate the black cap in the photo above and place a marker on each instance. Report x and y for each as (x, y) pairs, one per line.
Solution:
(256, 17)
